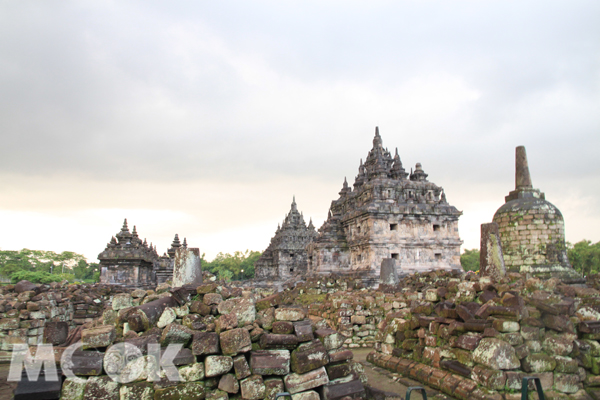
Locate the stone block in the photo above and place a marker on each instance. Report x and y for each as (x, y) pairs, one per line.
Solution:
(101, 388)
(235, 341)
(303, 330)
(388, 274)
(205, 343)
(253, 388)
(137, 391)
(121, 301)
(187, 268)
(340, 355)
(212, 299)
(86, 363)
(348, 390)
(192, 372)
(296, 383)
(538, 362)
(228, 383)
(289, 314)
(270, 362)
(273, 341)
(182, 391)
(72, 389)
(273, 386)
(331, 339)
(217, 365)
(309, 356)
(241, 367)
(490, 378)
(175, 333)
(308, 395)
(496, 354)
(226, 322)
(283, 327)
(502, 325)
(56, 333)
(101, 336)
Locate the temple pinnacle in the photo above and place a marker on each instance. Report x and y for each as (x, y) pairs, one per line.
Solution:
(522, 176)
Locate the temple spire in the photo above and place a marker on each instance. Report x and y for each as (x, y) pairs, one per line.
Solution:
(294, 207)
(522, 176)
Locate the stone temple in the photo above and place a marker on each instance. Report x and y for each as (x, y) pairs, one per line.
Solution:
(387, 214)
(286, 254)
(532, 230)
(129, 262)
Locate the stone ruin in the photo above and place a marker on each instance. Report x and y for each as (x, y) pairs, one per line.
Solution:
(286, 254)
(532, 230)
(131, 263)
(388, 213)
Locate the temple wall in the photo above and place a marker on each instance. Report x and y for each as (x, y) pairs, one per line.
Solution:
(531, 237)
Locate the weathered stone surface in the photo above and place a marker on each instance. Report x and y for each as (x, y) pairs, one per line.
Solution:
(167, 317)
(502, 325)
(182, 391)
(331, 339)
(243, 309)
(101, 336)
(242, 369)
(491, 260)
(557, 345)
(56, 333)
(85, 363)
(309, 356)
(388, 274)
(342, 355)
(137, 391)
(273, 341)
(192, 372)
(253, 388)
(283, 327)
(226, 322)
(567, 383)
(296, 383)
(539, 363)
(187, 269)
(228, 383)
(308, 395)
(349, 390)
(217, 365)
(101, 388)
(72, 389)
(121, 301)
(273, 386)
(270, 362)
(175, 333)
(490, 378)
(205, 343)
(25, 286)
(496, 354)
(289, 314)
(235, 341)
(212, 299)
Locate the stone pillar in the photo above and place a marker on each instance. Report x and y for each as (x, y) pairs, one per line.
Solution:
(187, 269)
(522, 176)
(388, 274)
(491, 260)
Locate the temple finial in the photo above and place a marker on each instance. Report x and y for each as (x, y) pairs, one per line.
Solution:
(522, 176)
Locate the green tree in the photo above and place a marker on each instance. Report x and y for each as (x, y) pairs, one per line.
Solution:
(67, 264)
(236, 266)
(584, 257)
(469, 260)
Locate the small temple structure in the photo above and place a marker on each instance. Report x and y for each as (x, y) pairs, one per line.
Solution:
(131, 262)
(532, 230)
(388, 213)
(286, 255)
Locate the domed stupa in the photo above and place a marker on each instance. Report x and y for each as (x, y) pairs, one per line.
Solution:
(532, 230)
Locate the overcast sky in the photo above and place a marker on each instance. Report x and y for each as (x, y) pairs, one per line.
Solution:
(204, 118)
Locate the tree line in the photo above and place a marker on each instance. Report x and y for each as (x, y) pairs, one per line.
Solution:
(584, 256)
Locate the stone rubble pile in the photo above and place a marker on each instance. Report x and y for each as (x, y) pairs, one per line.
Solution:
(25, 309)
(473, 338)
(234, 345)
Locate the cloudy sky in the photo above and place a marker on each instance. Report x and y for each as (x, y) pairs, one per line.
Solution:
(204, 118)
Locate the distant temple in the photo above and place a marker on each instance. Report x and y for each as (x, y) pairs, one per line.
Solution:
(286, 254)
(132, 263)
(387, 214)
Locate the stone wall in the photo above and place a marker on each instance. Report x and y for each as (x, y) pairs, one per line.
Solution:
(26, 308)
(474, 339)
(232, 346)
